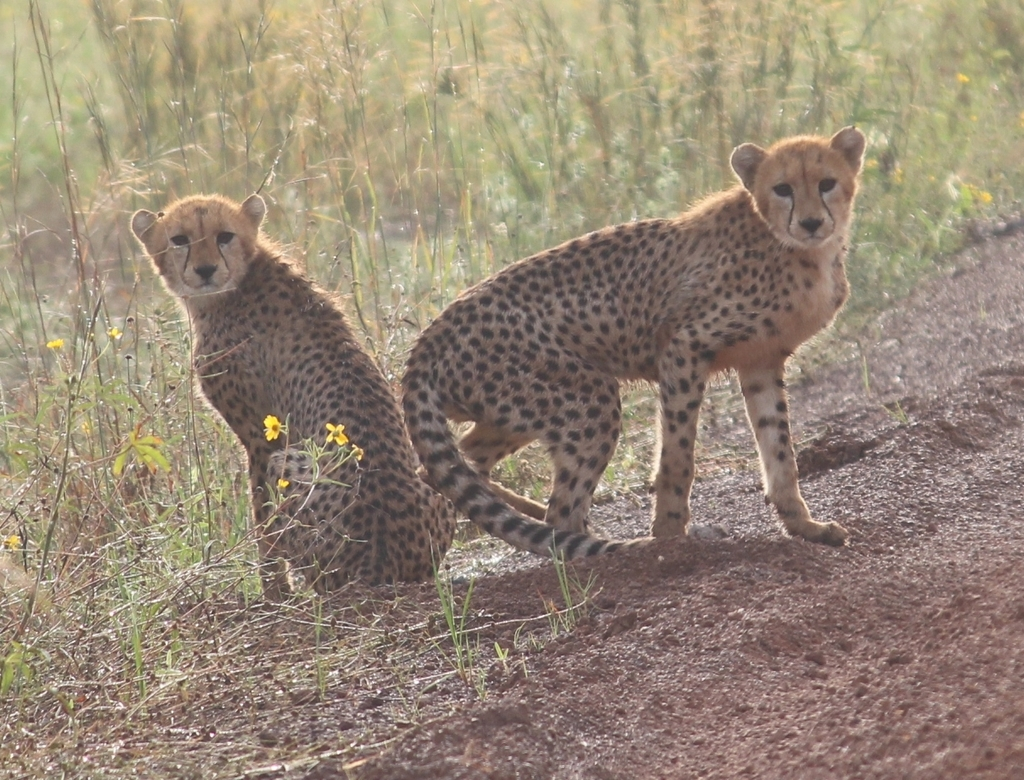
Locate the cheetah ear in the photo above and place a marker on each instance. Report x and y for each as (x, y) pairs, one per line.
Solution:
(746, 159)
(255, 209)
(850, 143)
(142, 221)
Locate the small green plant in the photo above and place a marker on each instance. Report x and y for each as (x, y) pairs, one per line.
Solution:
(503, 654)
(143, 448)
(465, 646)
(896, 411)
(136, 650)
(17, 669)
(576, 597)
(865, 369)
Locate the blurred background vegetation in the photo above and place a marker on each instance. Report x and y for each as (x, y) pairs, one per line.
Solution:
(407, 149)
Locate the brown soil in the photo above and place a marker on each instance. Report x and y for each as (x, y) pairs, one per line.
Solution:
(754, 655)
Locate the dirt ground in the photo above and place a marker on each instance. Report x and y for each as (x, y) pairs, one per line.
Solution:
(754, 655)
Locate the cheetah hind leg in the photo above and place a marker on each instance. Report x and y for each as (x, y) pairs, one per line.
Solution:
(581, 446)
(293, 465)
(484, 446)
(764, 392)
(521, 504)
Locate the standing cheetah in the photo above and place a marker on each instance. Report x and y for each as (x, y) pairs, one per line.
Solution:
(537, 351)
(271, 348)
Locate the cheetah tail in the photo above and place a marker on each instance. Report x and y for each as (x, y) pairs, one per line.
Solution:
(472, 493)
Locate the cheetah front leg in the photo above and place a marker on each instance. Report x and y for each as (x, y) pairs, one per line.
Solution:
(764, 391)
(272, 566)
(682, 376)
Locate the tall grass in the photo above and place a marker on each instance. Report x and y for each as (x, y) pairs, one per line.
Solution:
(407, 149)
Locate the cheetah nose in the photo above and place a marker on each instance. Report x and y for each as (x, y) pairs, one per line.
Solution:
(205, 272)
(811, 224)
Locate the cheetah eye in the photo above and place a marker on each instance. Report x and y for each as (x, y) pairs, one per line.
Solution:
(224, 238)
(783, 190)
(826, 185)
(181, 240)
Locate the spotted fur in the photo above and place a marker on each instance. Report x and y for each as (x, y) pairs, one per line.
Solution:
(537, 351)
(266, 341)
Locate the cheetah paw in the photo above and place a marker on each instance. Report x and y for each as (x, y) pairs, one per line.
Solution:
(710, 532)
(831, 534)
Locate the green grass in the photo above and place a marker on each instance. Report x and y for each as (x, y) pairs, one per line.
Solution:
(406, 150)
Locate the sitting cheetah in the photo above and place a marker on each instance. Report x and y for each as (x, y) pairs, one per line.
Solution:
(277, 359)
(537, 351)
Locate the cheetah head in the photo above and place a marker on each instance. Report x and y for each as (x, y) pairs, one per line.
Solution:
(803, 187)
(201, 245)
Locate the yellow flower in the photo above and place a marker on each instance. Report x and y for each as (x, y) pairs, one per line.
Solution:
(271, 427)
(1020, 119)
(115, 333)
(963, 78)
(12, 542)
(282, 483)
(55, 344)
(979, 195)
(336, 433)
(357, 452)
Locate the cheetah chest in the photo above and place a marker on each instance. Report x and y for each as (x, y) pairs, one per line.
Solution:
(817, 290)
